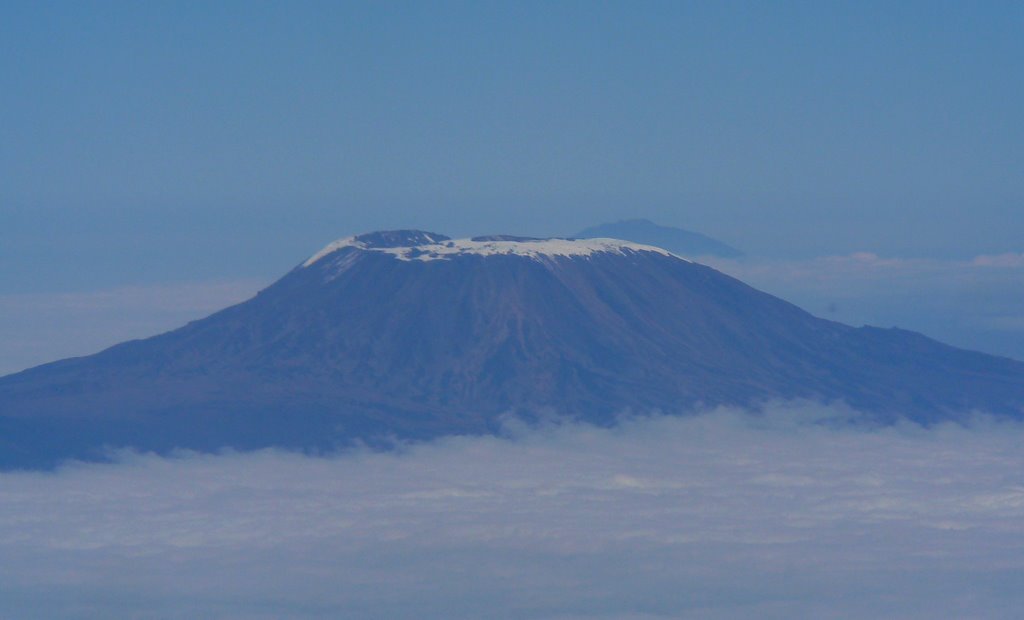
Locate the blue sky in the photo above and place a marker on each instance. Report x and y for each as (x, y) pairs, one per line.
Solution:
(146, 142)
(160, 160)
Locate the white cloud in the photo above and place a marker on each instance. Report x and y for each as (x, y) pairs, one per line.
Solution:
(720, 516)
(1009, 260)
(853, 271)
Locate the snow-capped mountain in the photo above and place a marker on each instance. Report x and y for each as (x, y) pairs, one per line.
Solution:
(411, 334)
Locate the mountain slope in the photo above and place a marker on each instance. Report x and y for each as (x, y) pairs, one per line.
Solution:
(414, 335)
(677, 240)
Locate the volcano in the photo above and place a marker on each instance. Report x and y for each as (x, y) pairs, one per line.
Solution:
(413, 335)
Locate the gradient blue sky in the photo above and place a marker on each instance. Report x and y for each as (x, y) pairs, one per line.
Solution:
(150, 142)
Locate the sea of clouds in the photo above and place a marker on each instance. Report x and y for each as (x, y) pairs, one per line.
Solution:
(790, 514)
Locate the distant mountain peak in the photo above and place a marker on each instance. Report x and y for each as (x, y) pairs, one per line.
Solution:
(676, 240)
(409, 245)
(638, 221)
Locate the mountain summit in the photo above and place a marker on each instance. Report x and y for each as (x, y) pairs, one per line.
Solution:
(411, 334)
(414, 245)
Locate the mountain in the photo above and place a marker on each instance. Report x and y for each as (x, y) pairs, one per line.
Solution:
(676, 240)
(409, 334)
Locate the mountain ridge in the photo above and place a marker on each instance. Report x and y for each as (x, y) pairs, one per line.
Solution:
(427, 339)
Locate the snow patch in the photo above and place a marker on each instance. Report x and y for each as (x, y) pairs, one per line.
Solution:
(537, 249)
(332, 247)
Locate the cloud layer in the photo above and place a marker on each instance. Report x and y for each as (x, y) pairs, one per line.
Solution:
(718, 516)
